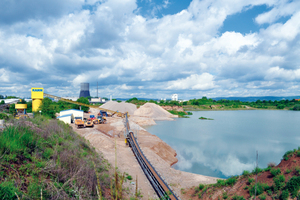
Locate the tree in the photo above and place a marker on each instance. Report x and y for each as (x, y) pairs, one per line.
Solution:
(82, 100)
(12, 109)
(47, 108)
(1, 97)
(2, 102)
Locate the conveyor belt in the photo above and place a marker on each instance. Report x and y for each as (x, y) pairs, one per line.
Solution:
(161, 188)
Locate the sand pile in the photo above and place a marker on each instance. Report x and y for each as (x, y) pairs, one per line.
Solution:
(154, 111)
(120, 107)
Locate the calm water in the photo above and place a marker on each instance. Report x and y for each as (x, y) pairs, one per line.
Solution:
(227, 145)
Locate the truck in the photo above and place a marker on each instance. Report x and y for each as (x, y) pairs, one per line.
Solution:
(79, 123)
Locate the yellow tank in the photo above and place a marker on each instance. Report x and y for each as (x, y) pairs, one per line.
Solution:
(37, 95)
(20, 106)
(36, 104)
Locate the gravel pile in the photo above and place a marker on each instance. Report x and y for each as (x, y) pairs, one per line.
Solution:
(154, 111)
(120, 107)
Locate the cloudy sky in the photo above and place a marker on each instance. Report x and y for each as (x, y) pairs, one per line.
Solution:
(151, 48)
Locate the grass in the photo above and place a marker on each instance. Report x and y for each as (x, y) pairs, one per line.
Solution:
(44, 158)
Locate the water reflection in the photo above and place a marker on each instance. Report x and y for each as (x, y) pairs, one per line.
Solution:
(226, 145)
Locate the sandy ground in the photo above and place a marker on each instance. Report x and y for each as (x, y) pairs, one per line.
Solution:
(104, 137)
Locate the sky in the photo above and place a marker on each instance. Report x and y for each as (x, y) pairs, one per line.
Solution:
(151, 48)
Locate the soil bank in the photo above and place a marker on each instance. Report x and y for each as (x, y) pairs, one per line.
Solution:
(104, 137)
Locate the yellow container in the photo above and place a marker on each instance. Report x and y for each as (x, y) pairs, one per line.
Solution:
(36, 104)
(37, 93)
(20, 106)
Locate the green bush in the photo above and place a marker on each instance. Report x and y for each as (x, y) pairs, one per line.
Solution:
(201, 186)
(287, 155)
(293, 185)
(262, 197)
(257, 170)
(275, 172)
(231, 181)
(284, 195)
(250, 180)
(259, 189)
(246, 173)
(3, 116)
(236, 197)
(279, 182)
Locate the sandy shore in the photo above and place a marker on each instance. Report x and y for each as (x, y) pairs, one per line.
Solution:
(104, 137)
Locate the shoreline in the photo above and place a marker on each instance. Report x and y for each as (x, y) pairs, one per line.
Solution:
(104, 137)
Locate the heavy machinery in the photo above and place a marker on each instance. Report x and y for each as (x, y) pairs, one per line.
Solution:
(89, 123)
(101, 119)
(79, 123)
(94, 119)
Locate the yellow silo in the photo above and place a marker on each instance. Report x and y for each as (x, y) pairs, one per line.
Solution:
(37, 95)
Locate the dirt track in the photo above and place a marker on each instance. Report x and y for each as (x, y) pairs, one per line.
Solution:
(161, 155)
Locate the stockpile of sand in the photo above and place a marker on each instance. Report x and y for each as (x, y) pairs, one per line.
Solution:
(120, 107)
(154, 111)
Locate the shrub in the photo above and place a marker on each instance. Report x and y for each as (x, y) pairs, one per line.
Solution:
(259, 189)
(279, 182)
(201, 186)
(262, 197)
(246, 173)
(250, 180)
(220, 183)
(284, 195)
(236, 197)
(293, 185)
(231, 181)
(298, 153)
(287, 155)
(257, 170)
(275, 172)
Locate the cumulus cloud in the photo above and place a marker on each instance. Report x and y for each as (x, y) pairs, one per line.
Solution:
(193, 82)
(63, 43)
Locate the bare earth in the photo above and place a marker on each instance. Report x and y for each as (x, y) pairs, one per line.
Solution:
(104, 137)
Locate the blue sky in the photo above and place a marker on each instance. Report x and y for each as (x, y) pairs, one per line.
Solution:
(151, 48)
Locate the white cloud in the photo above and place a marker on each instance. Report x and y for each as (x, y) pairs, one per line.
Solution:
(174, 53)
(204, 81)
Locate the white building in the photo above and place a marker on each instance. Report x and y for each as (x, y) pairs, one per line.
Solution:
(66, 118)
(74, 113)
(174, 97)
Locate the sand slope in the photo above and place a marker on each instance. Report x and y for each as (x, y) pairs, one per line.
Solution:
(121, 107)
(154, 111)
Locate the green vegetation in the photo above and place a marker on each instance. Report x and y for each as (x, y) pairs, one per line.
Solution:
(275, 172)
(209, 104)
(43, 159)
(204, 118)
(82, 100)
(180, 114)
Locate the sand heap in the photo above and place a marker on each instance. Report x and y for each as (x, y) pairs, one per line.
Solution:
(154, 111)
(120, 107)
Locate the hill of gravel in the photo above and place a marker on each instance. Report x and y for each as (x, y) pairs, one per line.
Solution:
(153, 111)
(120, 107)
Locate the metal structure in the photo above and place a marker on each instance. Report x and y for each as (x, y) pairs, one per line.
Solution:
(159, 185)
(83, 104)
(37, 95)
(84, 90)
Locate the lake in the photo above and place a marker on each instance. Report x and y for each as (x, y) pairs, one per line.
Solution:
(227, 145)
